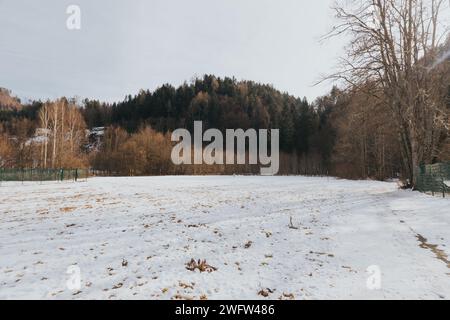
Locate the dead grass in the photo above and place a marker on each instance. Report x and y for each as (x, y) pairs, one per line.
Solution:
(248, 245)
(265, 292)
(186, 285)
(202, 266)
(440, 254)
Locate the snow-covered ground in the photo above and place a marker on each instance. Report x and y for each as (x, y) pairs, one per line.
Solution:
(131, 238)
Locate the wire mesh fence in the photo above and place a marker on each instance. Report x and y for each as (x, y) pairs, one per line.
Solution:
(39, 175)
(434, 179)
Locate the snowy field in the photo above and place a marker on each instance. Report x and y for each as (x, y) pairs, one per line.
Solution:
(261, 237)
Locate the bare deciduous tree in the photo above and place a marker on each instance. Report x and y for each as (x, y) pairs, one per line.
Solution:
(67, 129)
(44, 118)
(394, 45)
(5, 150)
(54, 125)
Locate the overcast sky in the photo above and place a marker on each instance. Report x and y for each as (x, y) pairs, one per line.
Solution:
(126, 45)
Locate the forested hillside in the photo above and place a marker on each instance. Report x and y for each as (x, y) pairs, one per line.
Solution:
(306, 136)
(8, 102)
(345, 133)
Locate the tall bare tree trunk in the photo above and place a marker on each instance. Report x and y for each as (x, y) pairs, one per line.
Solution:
(44, 119)
(55, 132)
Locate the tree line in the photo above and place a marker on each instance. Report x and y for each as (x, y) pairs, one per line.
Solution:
(346, 133)
(143, 123)
(225, 104)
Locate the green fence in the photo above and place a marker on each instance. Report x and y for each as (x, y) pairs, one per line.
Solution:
(434, 178)
(8, 174)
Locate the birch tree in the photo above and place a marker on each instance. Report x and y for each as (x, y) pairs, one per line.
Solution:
(44, 118)
(54, 125)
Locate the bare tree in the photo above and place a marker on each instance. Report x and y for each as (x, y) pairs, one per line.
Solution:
(54, 125)
(75, 127)
(394, 44)
(68, 131)
(44, 118)
(5, 150)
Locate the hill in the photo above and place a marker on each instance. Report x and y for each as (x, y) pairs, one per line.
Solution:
(8, 102)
